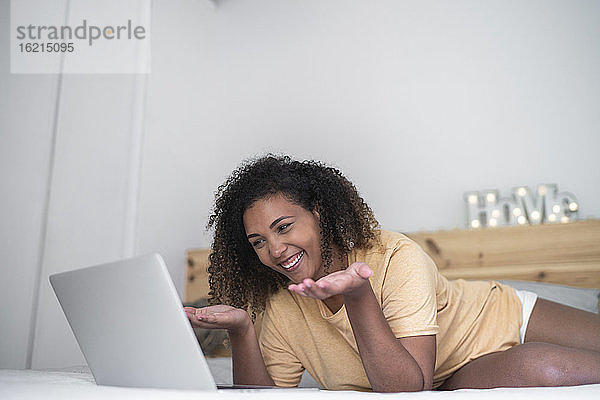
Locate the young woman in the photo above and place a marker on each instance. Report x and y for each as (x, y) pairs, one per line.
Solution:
(365, 309)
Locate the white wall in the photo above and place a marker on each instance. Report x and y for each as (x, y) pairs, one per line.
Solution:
(416, 101)
(431, 98)
(178, 161)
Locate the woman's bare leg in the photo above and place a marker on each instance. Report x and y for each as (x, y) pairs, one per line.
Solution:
(529, 364)
(556, 323)
(562, 348)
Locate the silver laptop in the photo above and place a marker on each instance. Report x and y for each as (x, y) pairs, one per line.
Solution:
(131, 326)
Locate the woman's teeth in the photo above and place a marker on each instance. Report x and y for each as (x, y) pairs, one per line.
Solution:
(295, 260)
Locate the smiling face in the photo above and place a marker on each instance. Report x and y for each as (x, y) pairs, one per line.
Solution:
(286, 237)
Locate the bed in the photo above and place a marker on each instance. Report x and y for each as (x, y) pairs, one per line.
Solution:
(80, 385)
(560, 262)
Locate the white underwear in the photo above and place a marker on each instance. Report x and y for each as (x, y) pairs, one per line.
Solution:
(528, 300)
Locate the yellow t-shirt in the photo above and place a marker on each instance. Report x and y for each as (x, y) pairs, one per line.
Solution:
(470, 319)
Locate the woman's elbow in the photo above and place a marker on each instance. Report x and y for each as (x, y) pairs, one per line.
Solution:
(416, 384)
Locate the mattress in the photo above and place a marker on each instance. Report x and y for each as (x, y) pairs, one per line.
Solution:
(78, 383)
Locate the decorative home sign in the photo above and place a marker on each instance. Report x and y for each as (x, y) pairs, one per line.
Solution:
(545, 205)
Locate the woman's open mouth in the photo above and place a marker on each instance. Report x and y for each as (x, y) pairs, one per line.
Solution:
(292, 262)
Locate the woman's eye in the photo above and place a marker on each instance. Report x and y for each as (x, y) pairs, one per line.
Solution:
(257, 243)
(284, 227)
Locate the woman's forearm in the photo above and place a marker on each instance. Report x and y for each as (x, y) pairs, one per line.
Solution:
(248, 364)
(388, 365)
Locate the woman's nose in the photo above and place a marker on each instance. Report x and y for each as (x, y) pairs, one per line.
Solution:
(277, 248)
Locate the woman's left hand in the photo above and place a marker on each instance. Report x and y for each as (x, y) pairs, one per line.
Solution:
(341, 282)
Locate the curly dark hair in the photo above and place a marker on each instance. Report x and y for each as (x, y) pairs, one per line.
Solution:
(236, 275)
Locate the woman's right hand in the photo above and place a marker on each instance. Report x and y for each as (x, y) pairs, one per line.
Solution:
(219, 316)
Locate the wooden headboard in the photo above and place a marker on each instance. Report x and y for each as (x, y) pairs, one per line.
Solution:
(567, 254)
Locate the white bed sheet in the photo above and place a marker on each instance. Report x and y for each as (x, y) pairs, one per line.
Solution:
(29, 384)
